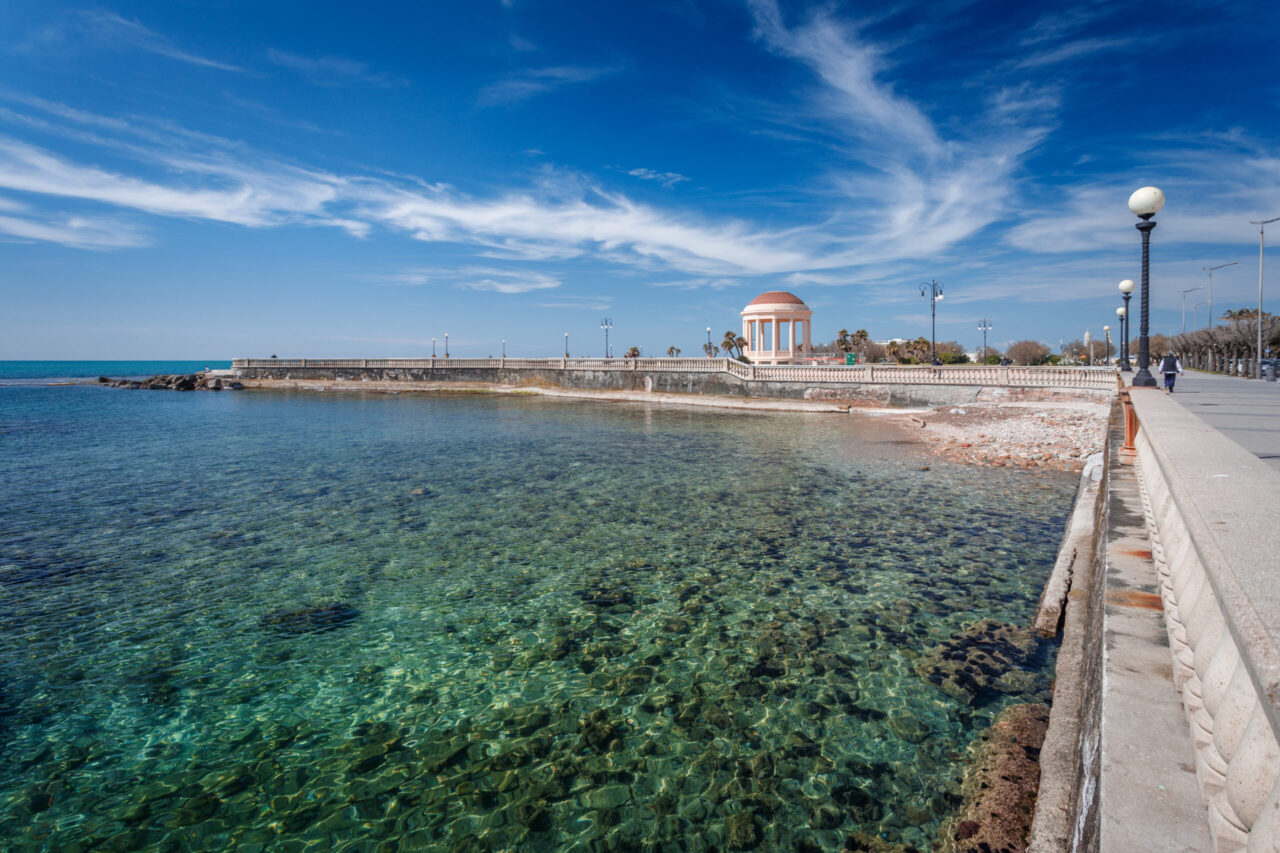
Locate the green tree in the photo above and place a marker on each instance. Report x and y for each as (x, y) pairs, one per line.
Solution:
(632, 352)
(672, 352)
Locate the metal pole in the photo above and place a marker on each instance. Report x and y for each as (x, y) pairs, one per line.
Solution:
(1210, 270)
(1257, 362)
(433, 347)
(446, 344)
(1128, 368)
(1184, 306)
(504, 348)
(934, 290)
(985, 326)
(1143, 377)
(566, 344)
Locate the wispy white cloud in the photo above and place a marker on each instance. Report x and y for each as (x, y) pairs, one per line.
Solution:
(667, 179)
(1212, 187)
(579, 303)
(105, 29)
(1063, 23)
(520, 43)
(76, 232)
(910, 191)
(525, 84)
(1074, 50)
(494, 279)
(333, 71)
(695, 283)
(505, 281)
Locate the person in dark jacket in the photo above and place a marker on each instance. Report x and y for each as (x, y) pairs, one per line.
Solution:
(1170, 366)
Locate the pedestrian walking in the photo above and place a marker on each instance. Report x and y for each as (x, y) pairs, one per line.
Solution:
(1170, 366)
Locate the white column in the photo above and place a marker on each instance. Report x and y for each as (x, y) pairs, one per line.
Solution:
(791, 345)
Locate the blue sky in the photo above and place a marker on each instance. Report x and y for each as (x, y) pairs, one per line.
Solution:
(213, 179)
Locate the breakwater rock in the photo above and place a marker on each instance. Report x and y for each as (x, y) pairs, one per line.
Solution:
(174, 382)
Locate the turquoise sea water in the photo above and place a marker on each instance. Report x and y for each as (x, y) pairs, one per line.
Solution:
(48, 372)
(286, 621)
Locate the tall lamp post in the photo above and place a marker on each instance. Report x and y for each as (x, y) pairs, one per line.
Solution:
(446, 344)
(932, 290)
(433, 347)
(1195, 314)
(504, 347)
(1106, 352)
(984, 326)
(1126, 290)
(708, 342)
(1121, 361)
(1210, 270)
(1145, 203)
(606, 324)
(566, 344)
(1184, 305)
(1257, 362)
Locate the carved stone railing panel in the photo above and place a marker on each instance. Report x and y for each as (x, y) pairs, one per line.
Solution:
(1087, 378)
(1216, 579)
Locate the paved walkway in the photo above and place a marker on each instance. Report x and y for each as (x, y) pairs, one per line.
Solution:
(1244, 410)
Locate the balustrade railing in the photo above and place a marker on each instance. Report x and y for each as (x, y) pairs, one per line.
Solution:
(1090, 378)
(1217, 585)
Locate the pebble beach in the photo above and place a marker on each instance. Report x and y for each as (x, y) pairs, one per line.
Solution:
(1055, 435)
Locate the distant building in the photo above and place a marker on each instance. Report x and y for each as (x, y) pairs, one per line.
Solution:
(776, 326)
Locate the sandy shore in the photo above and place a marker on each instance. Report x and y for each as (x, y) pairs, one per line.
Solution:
(1059, 435)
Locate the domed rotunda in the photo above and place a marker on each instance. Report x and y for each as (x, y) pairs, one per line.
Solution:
(776, 325)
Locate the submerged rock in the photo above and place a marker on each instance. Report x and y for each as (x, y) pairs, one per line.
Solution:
(314, 619)
(977, 661)
(741, 832)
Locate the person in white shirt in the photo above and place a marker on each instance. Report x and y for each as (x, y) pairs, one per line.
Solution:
(1170, 366)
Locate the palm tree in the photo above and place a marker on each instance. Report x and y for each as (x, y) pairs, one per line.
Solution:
(919, 348)
(672, 352)
(860, 339)
(893, 350)
(633, 352)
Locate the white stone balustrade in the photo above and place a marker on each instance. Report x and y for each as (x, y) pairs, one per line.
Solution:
(1085, 378)
(1215, 542)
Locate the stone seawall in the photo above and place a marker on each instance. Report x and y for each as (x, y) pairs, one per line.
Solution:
(888, 394)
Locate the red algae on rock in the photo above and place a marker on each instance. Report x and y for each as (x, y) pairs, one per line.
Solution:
(1001, 787)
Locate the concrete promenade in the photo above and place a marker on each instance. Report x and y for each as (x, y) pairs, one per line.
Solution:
(1244, 410)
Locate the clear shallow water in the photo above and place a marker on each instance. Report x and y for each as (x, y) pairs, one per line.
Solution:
(270, 621)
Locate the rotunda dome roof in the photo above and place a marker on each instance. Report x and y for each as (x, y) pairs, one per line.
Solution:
(776, 297)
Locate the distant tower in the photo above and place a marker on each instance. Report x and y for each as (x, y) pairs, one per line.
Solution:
(775, 324)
